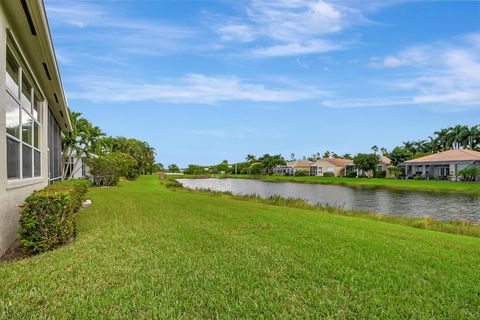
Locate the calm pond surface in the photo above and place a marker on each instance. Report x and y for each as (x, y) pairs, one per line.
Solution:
(444, 206)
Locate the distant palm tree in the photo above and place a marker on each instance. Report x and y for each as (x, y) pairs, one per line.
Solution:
(251, 158)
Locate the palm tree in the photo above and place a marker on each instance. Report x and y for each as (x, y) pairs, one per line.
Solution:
(441, 139)
(83, 139)
(251, 158)
(473, 138)
(375, 149)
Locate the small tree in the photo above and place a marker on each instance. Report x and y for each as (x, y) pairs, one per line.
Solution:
(366, 162)
(107, 169)
(194, 169)
(396, 171)
(256, 168)
(160, 167)
(470, 173)
(399, 155)
(269, 162)
(173, 168)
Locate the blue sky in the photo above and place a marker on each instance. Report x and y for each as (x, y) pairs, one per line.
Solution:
(204, 81)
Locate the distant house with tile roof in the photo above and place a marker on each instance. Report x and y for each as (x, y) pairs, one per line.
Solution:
(292, 167)
(329, 167)
(441, 165)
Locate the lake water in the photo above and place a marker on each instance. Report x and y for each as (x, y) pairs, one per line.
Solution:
(443, 206)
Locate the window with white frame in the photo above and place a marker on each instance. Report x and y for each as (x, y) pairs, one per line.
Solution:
(23, 122)
(84, 168)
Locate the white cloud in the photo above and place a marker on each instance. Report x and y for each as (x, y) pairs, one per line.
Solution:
(236, 31)
(295, 27)
(315, 46)
(367, 102)
(443, 73)
(410, 57)
(192, 88)
(99, 27)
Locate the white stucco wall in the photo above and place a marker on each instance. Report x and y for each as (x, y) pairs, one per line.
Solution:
(13, 193)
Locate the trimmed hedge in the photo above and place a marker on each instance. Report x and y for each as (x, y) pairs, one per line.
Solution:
(48, 216)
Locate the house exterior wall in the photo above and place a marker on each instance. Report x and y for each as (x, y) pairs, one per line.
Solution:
(384, 167)
(325, 166)
(78, 171)
(14, 192)
(437, 169)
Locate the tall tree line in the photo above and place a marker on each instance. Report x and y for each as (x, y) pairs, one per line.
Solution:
(89, 140)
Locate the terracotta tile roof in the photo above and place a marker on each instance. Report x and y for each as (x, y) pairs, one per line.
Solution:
(450, 155)
(338, 162)
(299, 163)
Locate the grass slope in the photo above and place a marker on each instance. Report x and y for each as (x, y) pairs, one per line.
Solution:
(421, 185)
(145, 251)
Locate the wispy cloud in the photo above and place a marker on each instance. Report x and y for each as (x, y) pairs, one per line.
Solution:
(443, 74)
(192, 88)
(295, 48)
(293, 27)
(93, 24)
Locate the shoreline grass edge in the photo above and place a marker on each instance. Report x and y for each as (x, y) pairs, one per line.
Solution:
(390, 184)
(457, 227)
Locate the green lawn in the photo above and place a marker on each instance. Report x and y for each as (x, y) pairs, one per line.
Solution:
(144, 251)
(425, 185)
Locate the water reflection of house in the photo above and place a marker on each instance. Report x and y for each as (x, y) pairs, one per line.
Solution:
(441, 165)
(329, 167)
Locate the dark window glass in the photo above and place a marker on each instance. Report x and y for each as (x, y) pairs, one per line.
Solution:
(55, 148)
(26, 127)
(36, 163)
(26, 161)
(12, 117)
(13, 159)
(36, 132)
(12, 74)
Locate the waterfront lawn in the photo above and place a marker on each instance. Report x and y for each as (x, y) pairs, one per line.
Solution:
(420, 185)
(144, 251)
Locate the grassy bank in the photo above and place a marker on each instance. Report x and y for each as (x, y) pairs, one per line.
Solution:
(420, 185)
(460, 227)
(145, 251)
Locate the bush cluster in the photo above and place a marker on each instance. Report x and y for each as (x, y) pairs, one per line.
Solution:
(380, 174)
(351, 175)
(48, 216)
(108, 169)
(301, 173)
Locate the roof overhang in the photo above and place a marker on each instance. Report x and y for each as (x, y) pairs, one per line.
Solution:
(437, 163)
(31, 33)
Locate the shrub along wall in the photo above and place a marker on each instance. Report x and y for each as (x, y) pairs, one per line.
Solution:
(48, 216)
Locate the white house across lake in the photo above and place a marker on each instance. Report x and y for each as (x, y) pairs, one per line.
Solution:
(441, 165)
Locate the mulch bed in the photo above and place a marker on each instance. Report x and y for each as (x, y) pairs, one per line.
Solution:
(15, 252)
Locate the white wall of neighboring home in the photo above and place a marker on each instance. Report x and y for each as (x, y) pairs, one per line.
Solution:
(78, 171)
(14, 192)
